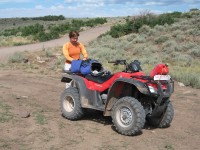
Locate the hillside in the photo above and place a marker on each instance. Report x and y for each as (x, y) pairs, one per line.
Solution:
(177, 44)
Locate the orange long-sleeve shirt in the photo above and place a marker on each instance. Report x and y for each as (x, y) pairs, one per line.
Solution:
(72, 52)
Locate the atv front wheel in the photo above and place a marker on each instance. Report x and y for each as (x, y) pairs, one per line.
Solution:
(70, 104)
(128, 116)
(165, 120)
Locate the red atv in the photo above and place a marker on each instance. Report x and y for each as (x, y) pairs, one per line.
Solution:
(129, 97)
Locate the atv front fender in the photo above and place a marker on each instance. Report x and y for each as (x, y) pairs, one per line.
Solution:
(123, 87)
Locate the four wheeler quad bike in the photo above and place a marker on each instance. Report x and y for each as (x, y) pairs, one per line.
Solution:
(129, 97)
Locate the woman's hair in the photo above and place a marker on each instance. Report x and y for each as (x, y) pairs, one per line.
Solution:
(73, 34)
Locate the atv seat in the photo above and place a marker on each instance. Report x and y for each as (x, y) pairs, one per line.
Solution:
(98, 79)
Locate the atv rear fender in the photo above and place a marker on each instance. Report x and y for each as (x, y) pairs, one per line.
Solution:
(123, 87)
(78, 82)
(88, 98)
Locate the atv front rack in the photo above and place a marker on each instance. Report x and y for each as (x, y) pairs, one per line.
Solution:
(162, 96)
(160, 92)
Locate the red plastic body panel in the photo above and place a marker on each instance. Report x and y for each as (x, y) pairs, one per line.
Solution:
(102, 87)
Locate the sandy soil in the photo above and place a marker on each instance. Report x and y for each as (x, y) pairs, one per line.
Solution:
(39, 94)
(46, 129)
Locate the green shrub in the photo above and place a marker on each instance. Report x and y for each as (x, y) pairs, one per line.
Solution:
(194, 32)
(173, 55)
(60, 61)
(149, 49)
(175, 27)
(9, 32)
(191, 14)
(153, 60)
(195, 51)
(42, 36)
(189, 45)
(17, 57)
(94, 22)
(176, 32)
(195, 22)
(159, 28)
(169, 43)
(168, 18)
(161, 39)
(48, 53)
(89, 23)
(32, 29)
(187, 15)
(117, 31)
(145, 29)
(139, 48)
(131, 37)
(153, 32)
(49, 18)
(194, 80)
(176, 14)
(133, 26)
(52, 31)
(184, 60)
(189, 78)
(139, 39)
(180, 37)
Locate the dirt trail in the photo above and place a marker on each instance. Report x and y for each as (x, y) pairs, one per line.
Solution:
(39, 94)
(85, 37)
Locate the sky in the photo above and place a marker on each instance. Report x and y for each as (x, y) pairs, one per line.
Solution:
(92, 8)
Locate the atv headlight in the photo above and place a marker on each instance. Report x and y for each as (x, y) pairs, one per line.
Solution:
(152, 90)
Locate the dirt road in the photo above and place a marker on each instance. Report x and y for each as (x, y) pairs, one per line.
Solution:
(85, 36)
(47, 129)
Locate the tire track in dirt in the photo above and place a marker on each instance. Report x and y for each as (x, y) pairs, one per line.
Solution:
(85, 37)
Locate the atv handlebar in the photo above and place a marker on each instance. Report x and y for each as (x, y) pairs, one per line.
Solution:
(120, 62)
(132, 67)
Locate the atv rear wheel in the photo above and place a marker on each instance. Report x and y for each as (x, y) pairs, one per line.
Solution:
(165, 120)
(70, 104)
(128, 116)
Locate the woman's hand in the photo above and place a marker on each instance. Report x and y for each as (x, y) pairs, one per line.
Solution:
(84, 58)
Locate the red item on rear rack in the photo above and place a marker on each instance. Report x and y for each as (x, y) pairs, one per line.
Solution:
(160, 69)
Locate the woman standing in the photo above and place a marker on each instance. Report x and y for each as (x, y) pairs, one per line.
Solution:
(73, 49)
